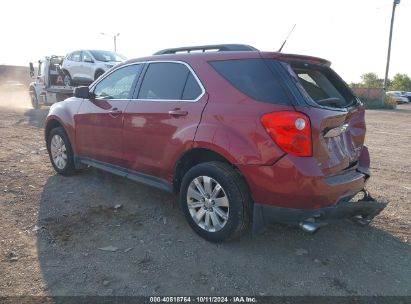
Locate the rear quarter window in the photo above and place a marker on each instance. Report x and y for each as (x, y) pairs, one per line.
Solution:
(254, 78)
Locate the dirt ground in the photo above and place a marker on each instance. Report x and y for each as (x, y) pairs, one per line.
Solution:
(64, 236)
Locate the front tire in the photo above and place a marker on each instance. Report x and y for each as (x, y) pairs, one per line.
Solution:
(34, 100)
(67, 79)
(215, 201)
(60, 151)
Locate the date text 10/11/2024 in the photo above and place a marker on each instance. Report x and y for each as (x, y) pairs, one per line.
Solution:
(204, 299)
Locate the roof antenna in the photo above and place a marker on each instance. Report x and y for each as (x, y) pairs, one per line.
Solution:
(286, 38)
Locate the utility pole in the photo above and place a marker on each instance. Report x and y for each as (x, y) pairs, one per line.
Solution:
(115, 42)
(395, 3)
(115, 39)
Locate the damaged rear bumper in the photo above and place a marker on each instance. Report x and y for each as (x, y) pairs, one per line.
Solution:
(310, 220)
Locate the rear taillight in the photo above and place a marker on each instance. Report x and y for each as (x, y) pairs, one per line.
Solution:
(290, 130)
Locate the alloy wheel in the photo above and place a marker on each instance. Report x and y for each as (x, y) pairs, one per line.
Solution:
(67, 80)
(208, 203)
(58, 151)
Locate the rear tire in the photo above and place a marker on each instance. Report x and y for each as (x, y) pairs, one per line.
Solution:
(60, 151)
(222, 215)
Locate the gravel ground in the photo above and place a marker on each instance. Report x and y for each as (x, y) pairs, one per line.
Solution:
(68, 236)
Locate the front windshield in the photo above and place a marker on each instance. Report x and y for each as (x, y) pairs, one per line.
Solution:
(107, 56)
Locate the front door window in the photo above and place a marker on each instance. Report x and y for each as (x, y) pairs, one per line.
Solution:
(119, 84)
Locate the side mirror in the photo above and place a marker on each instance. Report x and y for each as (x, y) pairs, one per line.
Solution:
(89, 60)
(82, 92)
(31, 69)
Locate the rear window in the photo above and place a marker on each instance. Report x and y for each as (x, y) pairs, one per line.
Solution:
(323, 85)
(254, 78)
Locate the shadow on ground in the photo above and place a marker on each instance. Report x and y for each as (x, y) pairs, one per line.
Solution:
(37, 117)
(149, 249)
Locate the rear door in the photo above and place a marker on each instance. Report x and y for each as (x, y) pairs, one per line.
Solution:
(160, 123)
(99, 121)
(337, 117)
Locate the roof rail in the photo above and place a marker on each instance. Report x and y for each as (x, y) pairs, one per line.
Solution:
(214, 47)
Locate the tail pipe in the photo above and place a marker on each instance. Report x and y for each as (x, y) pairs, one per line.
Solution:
(311, 227)
(361, 211)
(360, 216)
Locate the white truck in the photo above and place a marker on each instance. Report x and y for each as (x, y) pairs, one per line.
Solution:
(48, 87)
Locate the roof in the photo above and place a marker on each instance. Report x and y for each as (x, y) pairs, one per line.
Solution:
(204, 48)
(224, 52)
(214, 56)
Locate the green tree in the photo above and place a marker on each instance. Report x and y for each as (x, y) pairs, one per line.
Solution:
(354, 85)
(401, 82)
(371, 80)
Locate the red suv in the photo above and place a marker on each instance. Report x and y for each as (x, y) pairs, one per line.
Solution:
(244, 137)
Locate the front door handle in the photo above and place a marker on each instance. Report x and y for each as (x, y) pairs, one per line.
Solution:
(115, 112)
(177, 112)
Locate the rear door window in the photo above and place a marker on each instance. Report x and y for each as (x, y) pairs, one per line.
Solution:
(254, 78)
(169, 81)
(86, 57)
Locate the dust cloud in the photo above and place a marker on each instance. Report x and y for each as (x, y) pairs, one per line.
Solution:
(15, 99)
(14, 87)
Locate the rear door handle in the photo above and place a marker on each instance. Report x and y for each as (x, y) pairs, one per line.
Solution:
(177, 112)
(115, 112)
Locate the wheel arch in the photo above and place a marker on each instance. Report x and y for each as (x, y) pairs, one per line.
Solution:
(69, 164)
(53, 121)
(63, 113)
(99, 70)
(194, 157)
(65, 71)
(50, 125)
(34, 88)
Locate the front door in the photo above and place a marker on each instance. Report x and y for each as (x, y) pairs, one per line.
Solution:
(73, 66)
(87, 66)
(99, 121)
(162, 120)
